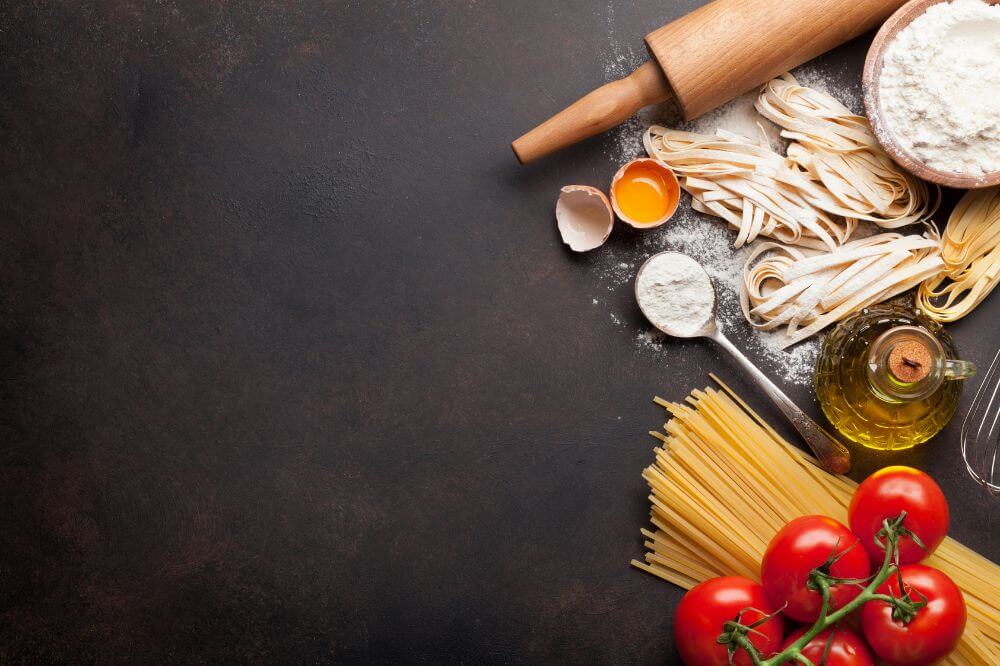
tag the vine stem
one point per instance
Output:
(827, 619)
(745, 643)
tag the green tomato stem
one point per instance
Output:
(827, 619)
(882, 597)
(745, 643)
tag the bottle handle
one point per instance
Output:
(954, 369)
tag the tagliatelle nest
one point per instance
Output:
(805, 292)
(971, 254)
(749, 186)
(835, 173)
(838, 150)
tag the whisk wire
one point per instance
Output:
(980, 450)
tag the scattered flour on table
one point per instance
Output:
(620, 61)
(738, 116)
(845, 87)
(711, 243)
(707, 239)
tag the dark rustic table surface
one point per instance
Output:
(294, 366)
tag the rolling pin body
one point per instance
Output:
(710, 56)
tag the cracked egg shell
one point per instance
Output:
(644, 193)
(584, 217)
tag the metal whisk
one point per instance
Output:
(981, 430)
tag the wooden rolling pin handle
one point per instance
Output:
(598, 111)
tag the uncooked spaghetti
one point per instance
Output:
(723, 483)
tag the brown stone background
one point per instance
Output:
(293, 367)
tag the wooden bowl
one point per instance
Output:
(870, 89)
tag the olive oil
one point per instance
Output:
(883, 378)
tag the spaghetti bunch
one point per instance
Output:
(724, 482)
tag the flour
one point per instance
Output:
(699, 236)
(740, 117)
(676, 294)
(622, 59)
(705, 238)
(711, 242)
(940, 87)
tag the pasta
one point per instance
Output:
(750, 187)
(806, 292)
(837, 149)
(722, 484)
(835, 173)
(970, 250)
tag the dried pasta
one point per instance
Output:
(724, 482)
(837, 149)
(750, 187)
(804, 292)
(970, 250)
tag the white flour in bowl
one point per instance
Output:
(940, 87)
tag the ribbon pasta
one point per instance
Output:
(837, 149)
(750, 187)
(971, 253)
(810, 275)
(805, 291)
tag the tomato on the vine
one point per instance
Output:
(802, 545)
(930, 634)
(703, 611)
(846, 648)
(887, 493)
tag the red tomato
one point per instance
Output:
(703, 611)
(887, 493)
(931, 634)
(801, 546)
(847, 649)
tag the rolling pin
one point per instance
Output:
(707, 58)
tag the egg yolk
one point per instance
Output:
(644, 194)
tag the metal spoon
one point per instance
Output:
(832, 455)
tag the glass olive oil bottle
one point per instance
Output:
(884, 377)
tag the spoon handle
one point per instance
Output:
(833, 456)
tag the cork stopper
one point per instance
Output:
(910, 361)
